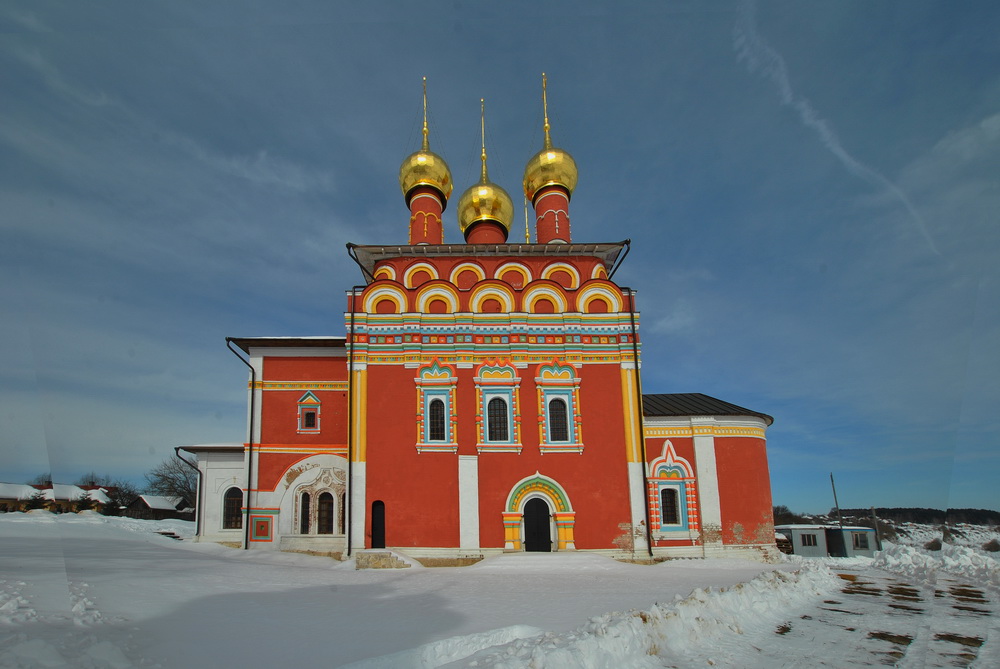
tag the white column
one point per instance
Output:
(709, 506)
(358, 504)
(636, 493)
(468, 502)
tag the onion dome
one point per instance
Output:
(485, 201)
(551, 166)
(425, 168)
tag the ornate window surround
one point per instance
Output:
(436, 381)
(498, 378)
(306, 404)
(671, 471)
(557, 380)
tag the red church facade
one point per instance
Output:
(486, 398)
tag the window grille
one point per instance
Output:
(496, 420)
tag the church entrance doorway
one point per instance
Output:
(378, 524)
(537, 526)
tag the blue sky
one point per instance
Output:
(811, 190)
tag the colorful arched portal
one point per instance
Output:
(548, 490)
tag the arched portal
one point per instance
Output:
(537, 526)
(531, 500)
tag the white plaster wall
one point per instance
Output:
(468, 501)
(219, 472)
(358, 506)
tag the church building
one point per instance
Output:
(486, 398)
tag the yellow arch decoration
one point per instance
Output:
(514, 267)
(459, 268)
(386, 272)
(593, 292)
(565, 267)
(391, 293)
(439, 290)
(497, 291)
(534, 293)
(416, 267)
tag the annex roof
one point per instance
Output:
(694, 404)
(246, 343)
(211, 448)
(367, 256)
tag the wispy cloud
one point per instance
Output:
(760, 57)
(54, 79)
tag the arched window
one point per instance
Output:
(670, 512)
(324, 524)
(304, 514)
(496, 420)
(435, 418)
(558, 425)
(232, 509)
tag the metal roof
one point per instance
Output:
(246, 343)
(694, 404)
(367, 256)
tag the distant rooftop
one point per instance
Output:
(694, 404)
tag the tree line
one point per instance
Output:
(784, 516)
(171, 478)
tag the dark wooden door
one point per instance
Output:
(378, 524)
(537, 532)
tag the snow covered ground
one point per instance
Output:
(95, 592)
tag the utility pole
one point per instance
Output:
(836, 504)
(878, 534)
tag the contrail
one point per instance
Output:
(760, 57)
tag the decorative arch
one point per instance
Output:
(573, 272)
(418, 267)
(538, 486)
(611, 299)
(393, 294)
(302, 484)
(437, 290)
(670, 465)
(475, 268)
(385, 272)
(494, 290)
(535, 293)
(599, 272)
(513, 268)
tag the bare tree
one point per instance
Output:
(44, 478)
(121, 492)
(174, 478)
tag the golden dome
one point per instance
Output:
(485, 201)
(424, 167)
(550, 166)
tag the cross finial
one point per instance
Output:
(482, 128)
(426, 145)
(545, 111)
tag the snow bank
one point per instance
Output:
(923, 565)
(643, 639)
(439, 653)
